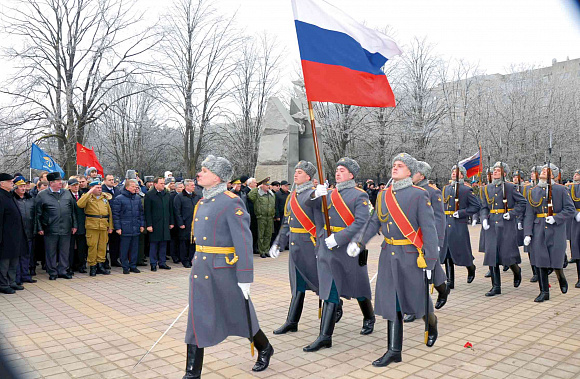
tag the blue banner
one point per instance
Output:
(42, 161)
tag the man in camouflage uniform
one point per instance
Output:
(501, 245)
(222, 271)
(264, 202)
(405, 261)
(546, 233)
(299, 228)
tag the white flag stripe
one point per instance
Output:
(327, 16)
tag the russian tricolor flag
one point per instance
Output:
(472, 164)
(342, 59)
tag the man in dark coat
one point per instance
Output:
(183, 207)
(457, 244)
(78, 246)
(407, 259)
(25, 204)
(545, 229)
(500, 231)
(159, 221)
(12, 236)
(114, 239)
(222, 272)
(129, 223)
(56, 220)
(173, 244)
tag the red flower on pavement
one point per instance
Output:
(468, 345)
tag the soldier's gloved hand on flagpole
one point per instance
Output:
(331, 242)
(456, 214)
(506, 216)
(577, 217)
(321, 190)
(485, 224)
(353, 249)
(520, 226)
(527, 240)
(550, 220)
(274, 251)
(245, 287)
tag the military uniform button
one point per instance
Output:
(195, 276)
(393, 253)
(194, 238)
(196, 257)
(390, 223)
(292, 243)
(449, 225)
(196, 219)
(212, 199)
(204, 238)
(207, 277)
(201, 202)
(207, 218)
(204, 258)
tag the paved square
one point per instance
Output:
(100, 327)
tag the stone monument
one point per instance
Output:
(287, 137)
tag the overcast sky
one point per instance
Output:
(493, 33)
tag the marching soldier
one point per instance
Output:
(457, 245)
(301, 220)
(549, 207)
(574, 189)
(527, 187)
(338, 274)
(222, 270)
(501, 245)
(405, 217)
(520, 187)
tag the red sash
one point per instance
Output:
(402, 222)
(301, 216)
(342, 209)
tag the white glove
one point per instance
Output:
(321, 190)
(520, 226)
(485, 224)
(428, 272)
(550, 220)
(456, 214)
(527, 240)
(474, 222)
(577, 217)
(331, 242)
(274, 251)
(506, 216)
(245, 287)
(353, 249)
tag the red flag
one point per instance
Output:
(86, 157)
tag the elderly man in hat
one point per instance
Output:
(459, 204)
(409, 254)
(12, 236)
(421, 179)
(501, 207)
(25, 204)
(56, 220)
(548, 209)
(264, 202)
(339, 275)
(222, 271)
(98, 225)
(299, 228)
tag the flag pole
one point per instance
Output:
(320, 180)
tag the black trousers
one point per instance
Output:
(57, 253)
(114, 247)
(186, 250)
(8, 268)
(173, 247)
(38, 251)
(78, 251)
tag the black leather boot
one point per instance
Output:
(450, 270)
(443, 291)
(534, 277)
(578, 272)
(395, 344)
(106, 265)
(495, 282)
(409, 318)
(366, 306)
(33, 271)
(101, 269)
(505, 268)
(194, 362)
(339, 311)
(265, 351)
(488, 273)
(470, 273)
(565, 261)
(326, 328)
(93, 270)
(517, 274)
(544, 285)
(294, 313)
(561, 280)
(432, 332)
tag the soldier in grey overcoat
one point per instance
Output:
(545, 234)
(457, 244)
(401, 286)
(222, 270)
(528, 187)
(339, 275)
(574, 189)
(501, 245)
(519, 224)
(302, 264)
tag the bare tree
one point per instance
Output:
(73, 53)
